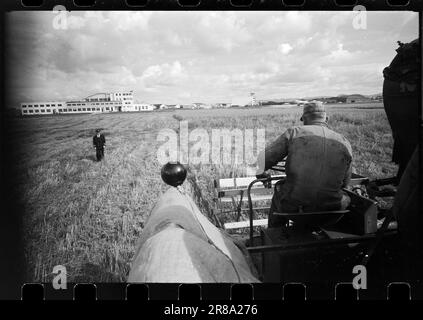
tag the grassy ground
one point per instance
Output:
(88, 215)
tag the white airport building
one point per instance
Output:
(96, 103)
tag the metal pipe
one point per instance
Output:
(250, 206)
(316, 243)
(250, 202)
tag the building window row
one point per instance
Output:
(97, 99)
(67, 110)
(79, 109)
(36, 111)
(97, 104)
(40, 105)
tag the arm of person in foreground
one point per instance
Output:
(347, 177)
(273, 153)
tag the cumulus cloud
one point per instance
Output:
(290, 23)
(179, 57)
(163, 75)
(127, 20)
(340, 54)
(285, 48)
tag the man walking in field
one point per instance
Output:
(99, 142)
(318, 165)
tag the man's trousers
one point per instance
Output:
(99, 153)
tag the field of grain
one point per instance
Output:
(88, 216)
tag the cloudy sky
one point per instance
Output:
(185, 57)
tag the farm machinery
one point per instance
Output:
(180, 244)
(349, 236)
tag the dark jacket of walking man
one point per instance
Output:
(99, 142)
(318, 166)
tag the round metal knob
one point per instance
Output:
(174, 174)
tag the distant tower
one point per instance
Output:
(253, 98)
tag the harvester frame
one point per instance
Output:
(362, 210)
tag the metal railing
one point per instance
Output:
(250, 202)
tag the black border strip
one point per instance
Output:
(12, 282)
(287, 292)
(414, 5)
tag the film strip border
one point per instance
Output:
(397, 291)
(414, 5)
(217, 292)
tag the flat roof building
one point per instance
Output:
(96, 103)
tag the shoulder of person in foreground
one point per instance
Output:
(343, 140)
(347, 145)
(275, 151)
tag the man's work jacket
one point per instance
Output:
(99, 142)
(318, 165)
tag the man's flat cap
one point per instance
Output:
(314, 108)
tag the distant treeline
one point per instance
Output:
(341, 99)
(268, 103)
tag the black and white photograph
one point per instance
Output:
(216, 146)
